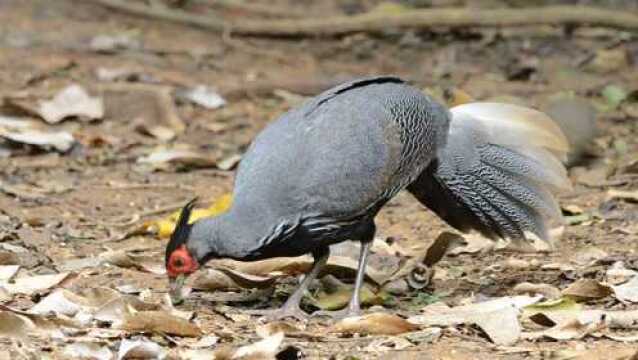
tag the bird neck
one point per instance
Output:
(226, 236)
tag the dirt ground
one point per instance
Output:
(77, 204)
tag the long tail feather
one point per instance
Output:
(497, 172)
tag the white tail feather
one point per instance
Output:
(527, 131)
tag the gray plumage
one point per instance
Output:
(321, 172)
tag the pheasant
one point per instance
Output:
(320, 174)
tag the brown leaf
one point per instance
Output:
(159, 322)
(14, 325)
(587, 289)
(548, 291)
(374, 324)
(498, 318)
(162, 158)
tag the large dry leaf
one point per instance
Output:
(498, 318)
(627, 292)
(61, 141)
(140, 349)
(65, 302)
(569, 330)
(587, 289)
(340, 266)
(129, 260)
(72, 101)
(374, 324)
(159, 322)
(13, 325)
(32, 284)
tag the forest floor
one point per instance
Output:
(80, 208)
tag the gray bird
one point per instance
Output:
(320, 174)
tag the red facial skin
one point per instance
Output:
(181, 262)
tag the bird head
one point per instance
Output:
(180, 261)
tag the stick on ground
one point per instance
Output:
(379, 22)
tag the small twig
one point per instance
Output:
(376, 22)
(242, 46)
(127, 186)
(257, 9)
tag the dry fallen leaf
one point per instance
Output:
(474, 243)
(552, 312)
(588, 255)
(587, 289)
(72, 101)
(498, 317)
(618, 273)
(32, 284)
(627, 292)
(140, 349)
(14, 325)
(201, 95)
(374, 324)
(288, 329)
(7, 272)
(548, 291)
(61, 141)
(65, 302)
(339, 298)
(159, 322)
(164, 158)
(570, 329)
(126, 259)
(163, 133)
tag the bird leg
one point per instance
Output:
(291, 307)
(354, 306)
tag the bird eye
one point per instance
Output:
(178, 262)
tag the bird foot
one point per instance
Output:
(286, 311)
(339, 314)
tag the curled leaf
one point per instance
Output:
(374, 324)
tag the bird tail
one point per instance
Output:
(497, 172)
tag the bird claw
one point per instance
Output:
(338, 314)
(282, 313)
